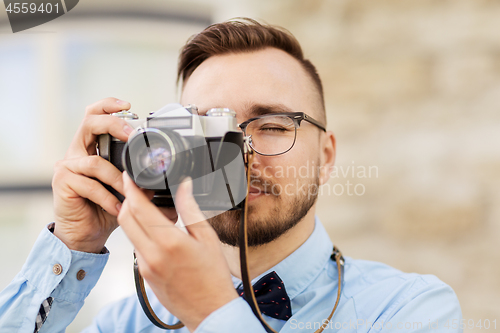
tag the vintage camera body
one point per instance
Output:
(174, 143)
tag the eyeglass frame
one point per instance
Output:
(296, 117)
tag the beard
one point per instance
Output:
(287, 212)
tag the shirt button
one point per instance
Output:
(80, 275)
(57, 269)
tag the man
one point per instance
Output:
(255, 70)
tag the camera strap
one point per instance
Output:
(245, 278)
(143, 299)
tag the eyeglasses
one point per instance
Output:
(275, 133)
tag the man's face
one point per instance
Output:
(283, 187)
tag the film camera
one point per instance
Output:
(174, 143)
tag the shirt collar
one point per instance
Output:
(303, 265)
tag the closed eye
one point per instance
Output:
(273, 129)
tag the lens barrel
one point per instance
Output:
(155, 158)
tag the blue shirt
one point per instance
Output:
(375, 297)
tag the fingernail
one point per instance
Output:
(119, 101)
(118, 207)
(127, 129)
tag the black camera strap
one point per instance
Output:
(245, 278)
(143, 299)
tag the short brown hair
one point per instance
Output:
(242, 35)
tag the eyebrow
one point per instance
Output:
(262, 109)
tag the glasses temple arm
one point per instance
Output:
(314, 122)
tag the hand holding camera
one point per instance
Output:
(158, 156)
(78, 194)
(170, 145)
(188, 273)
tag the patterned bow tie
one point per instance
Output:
(271, 296)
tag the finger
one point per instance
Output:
(134, 230)
(151, 219)
(96, 125)
(91, 127)
(91, 189)
(96, 167)
(107, 106)
(190, 212)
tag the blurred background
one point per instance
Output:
(412, 92)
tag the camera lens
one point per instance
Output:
(154, 159)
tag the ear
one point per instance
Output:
(328, 154)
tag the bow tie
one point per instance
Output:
(271, 296)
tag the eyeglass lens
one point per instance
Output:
(272, 135)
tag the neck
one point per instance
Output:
(263, 257)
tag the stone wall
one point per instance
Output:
(413, 88)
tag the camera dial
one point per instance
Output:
(124, 114)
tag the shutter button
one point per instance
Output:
(80, 275)
(57, 269)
